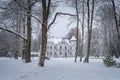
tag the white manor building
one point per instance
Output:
(60, 47)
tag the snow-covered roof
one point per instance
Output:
(67, 41)
(54, 40)
(73, 38)
(57, 41)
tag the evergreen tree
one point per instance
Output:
(108, 61)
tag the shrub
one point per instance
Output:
(117, 65)
(108, 61)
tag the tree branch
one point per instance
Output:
(20, 5)
(59, 13)
(13, 32)
(1, 7)
(31, 16)
(35, 1)
(27, 10)
(48, 8)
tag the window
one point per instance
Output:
(60, 47)
(65, 54)
(65, 47)
(47, 53)
(54, 47)
(55, 53)
(50, 47)
(60, 53)
(70, 53)
(50, 53)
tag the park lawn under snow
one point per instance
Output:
(57, 69)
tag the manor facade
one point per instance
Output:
(60, 47)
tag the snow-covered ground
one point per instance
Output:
(57, 69)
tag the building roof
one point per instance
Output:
(57, 41)
(54, 40)
(73, 38)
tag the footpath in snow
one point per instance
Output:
(57, 69)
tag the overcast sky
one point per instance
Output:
(61, 28)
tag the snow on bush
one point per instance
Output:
(108, 61)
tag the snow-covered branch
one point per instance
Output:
(13, 32)
(1, 7)
(31, 16)
(59, 13)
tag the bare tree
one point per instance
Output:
(28, 41)
(28, 9)
(90, 21)
(83, 16)
(9, 14)
(45, 14)
(46, 10)
(108, 23)
(77, 43)
(116, 21)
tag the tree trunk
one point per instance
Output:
(76, 53)
(16, 36)
(24, 30)
(82, 31)
(24, 41)
(16, 45)
(29, 29)
(87, 57)
(89, 29)
(116, 21)
(44, 34)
